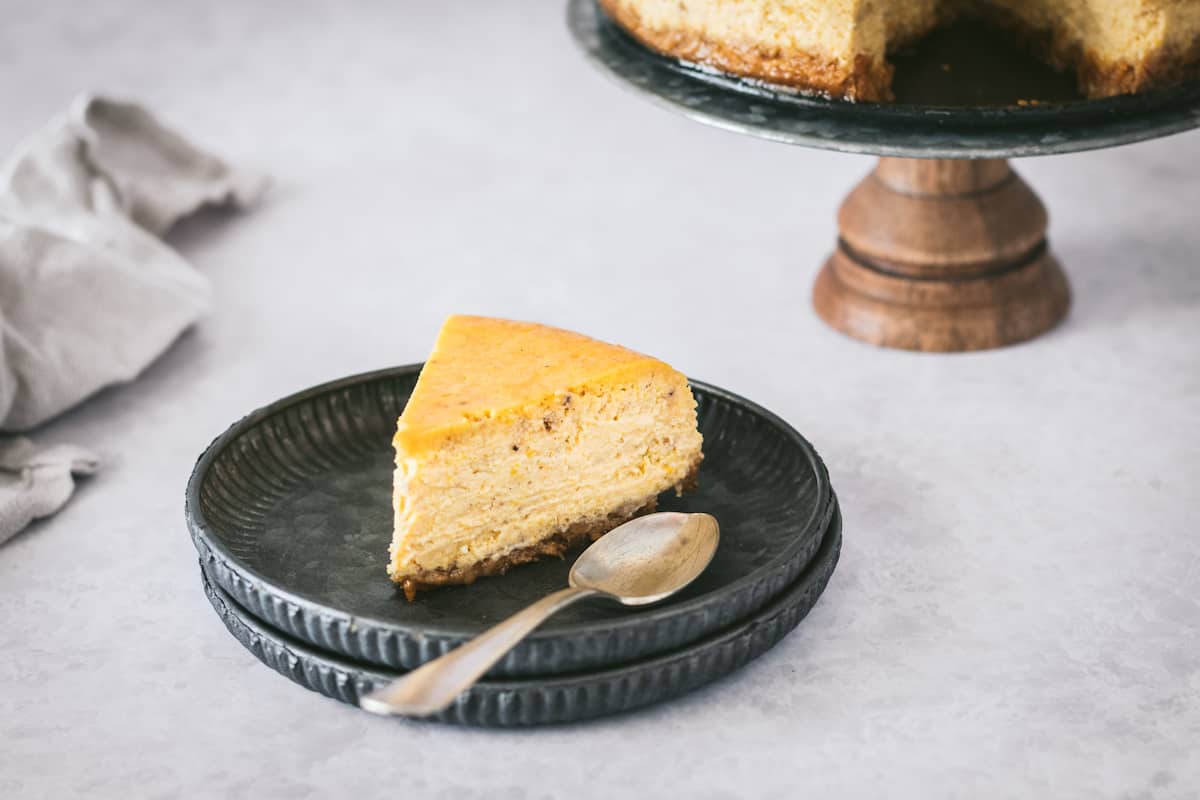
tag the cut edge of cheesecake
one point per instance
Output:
(520, 441)
(554, 545)
(1164, 48)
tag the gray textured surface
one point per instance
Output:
(1016, 612)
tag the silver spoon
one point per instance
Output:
(646, 560)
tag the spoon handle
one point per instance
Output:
(433, 686)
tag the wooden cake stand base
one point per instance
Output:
(942, 255)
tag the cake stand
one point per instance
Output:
(943, 246)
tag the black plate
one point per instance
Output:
(290, 510)
(558, 698)
(931, 122)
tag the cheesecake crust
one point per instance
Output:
(557, 544)
(863, 79)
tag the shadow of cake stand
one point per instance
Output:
(942, 247)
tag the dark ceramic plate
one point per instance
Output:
(958, 98)
(290, 510)
(556, 698)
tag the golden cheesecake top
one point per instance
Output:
(484, 368)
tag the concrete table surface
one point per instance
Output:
(1017, 611)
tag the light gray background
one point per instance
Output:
(1016, 612)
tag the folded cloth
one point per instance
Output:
(89, 295)
(35, 482)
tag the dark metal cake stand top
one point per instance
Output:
(964, 94)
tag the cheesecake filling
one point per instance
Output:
(570, 462)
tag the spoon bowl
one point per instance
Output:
(644, 561)
(649, 558)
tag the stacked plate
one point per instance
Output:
(290, 510)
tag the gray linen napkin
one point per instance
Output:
(35, 482)
(89, 295)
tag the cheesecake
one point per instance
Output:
(839, 48)
(520, 440)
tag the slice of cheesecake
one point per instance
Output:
(520, 440)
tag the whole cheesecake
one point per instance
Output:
(839, 48)
(520, 440)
